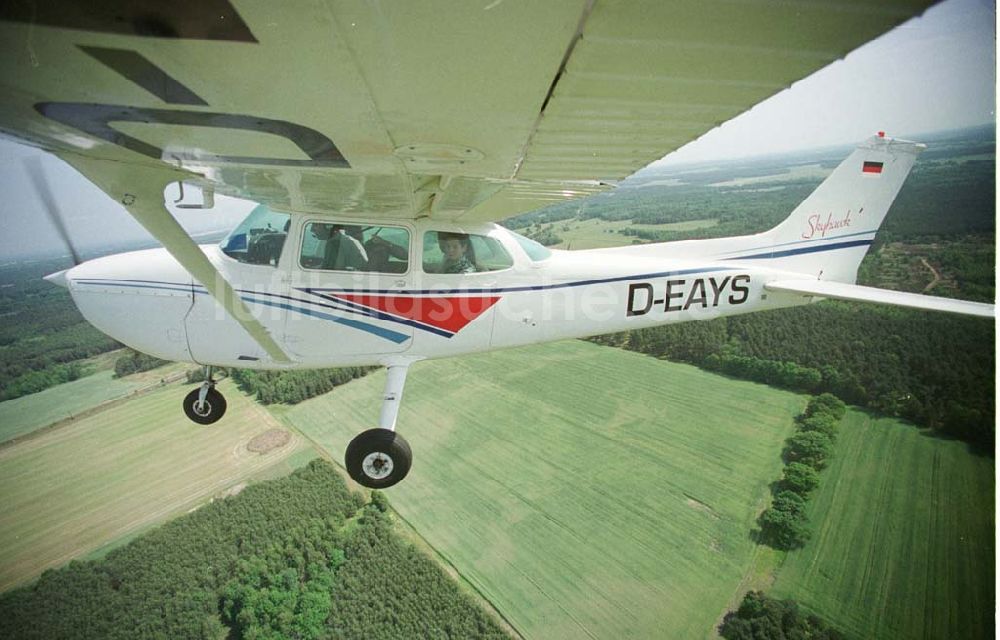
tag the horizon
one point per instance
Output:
(923, 136)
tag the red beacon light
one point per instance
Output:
(881, 134)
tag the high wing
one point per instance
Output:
(858, 293)
(459, 110)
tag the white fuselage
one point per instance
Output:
(323, 318)
(353, 290)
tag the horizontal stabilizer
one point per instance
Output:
(842, 291)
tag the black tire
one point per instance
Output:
(214, 408)
(378, 458)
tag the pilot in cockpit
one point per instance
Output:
(343, 251)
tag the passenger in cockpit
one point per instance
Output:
(458, 253)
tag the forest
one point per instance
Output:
(42, 334)
(297, 557)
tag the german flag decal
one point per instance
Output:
(872, 167)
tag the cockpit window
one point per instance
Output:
(448, 252)
(335, 246)
(535, 250)
(259, 238)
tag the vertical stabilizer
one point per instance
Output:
(827, 235)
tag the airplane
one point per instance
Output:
(384, 141)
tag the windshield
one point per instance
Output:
(535, 251)
(259, 239)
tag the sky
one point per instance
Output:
(933, 73)
(95, 220)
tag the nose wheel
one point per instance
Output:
(205, 404)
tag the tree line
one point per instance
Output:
(760, 617)
(784, 524)
(133, 361)
(35, 381)
(545, 236)
(291, 387)
(297, 557)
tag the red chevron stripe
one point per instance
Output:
(449, 313)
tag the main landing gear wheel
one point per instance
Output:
(204, 411)
(378, 458)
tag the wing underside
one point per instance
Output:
(458, 110)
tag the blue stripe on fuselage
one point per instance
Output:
(804, 250)
(167, 286)
(786, 244)
(388, 334)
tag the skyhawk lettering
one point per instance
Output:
(816, 226)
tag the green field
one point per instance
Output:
(903, 545)
(75, 399)
(27, 413)
(72, 489)
(584, 491)
(594, 233)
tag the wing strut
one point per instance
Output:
(139, 188)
